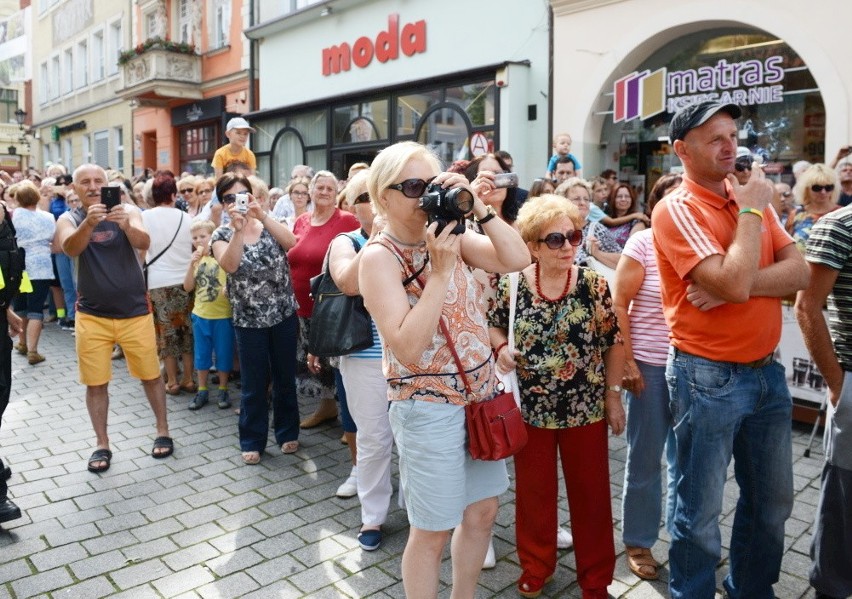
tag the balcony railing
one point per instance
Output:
(162, 73)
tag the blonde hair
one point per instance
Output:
(390, 162)
(816, 174)
(207, 225)
(356, 186)
(261, 189)
(570, 184)
(299, 181)
(538, 212)
(190, 181)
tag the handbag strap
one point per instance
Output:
(513, 301)
(166, 249)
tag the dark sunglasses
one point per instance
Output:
(364, 198)
(412, 188)
(229, 198)
(818, 188)
(740, 167)
(555, 241)
(186, 190)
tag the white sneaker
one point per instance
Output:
(564, 540)
(490, 558)
(350, 487)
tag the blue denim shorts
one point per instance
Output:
(439, 478)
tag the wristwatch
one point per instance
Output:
(614, 388)
(490, 213)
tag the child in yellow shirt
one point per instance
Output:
(237, 131)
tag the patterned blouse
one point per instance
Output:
(621, 233)
(260, 290)
(606, 241)
(801, 225)
(562, 344)
(435, 376)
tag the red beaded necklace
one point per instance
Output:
(538, 285)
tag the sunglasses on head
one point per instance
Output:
(742, 166)
(412, 188)
(555, 241)
(364, 198)
(818, 188)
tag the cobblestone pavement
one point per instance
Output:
(202, 524)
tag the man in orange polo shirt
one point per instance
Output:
(725, 261)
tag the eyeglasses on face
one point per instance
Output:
(364, 198)
(187, 190)
(555, 241)
(301, 194)
(818, 188)
(200, 191)
(412, 188)
(229, 198)
(741, 166)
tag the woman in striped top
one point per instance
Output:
(649, 428)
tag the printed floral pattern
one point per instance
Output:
(562, 344)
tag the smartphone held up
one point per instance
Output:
(110, 197)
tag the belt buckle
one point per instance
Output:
(760, 363)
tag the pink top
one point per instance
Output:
(649, 333)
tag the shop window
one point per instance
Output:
(783, 113)
(445, 130)
(411, 108)
(358, 123)
(289, 152)
(477, 100)
(197, 146)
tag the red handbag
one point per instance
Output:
(495, 428)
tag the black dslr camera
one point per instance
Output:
(443, 205)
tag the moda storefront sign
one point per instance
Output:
(386, 46)
(643, 94)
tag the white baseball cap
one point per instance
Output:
(238, 122)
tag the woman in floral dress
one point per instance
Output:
(569, 360)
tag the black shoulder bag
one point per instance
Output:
(158, 256)
(340, 324)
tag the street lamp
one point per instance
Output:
(21, 116)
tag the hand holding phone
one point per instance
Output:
(110, 197)
(503, 180)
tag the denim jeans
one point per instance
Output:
(265, 351)
(65, 268)
(649, 431)
(720, 410)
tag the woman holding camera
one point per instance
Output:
(314, 232)
(252, 249)
(417, 285)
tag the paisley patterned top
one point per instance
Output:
(260, 290)
(561, 367)
(435, 376)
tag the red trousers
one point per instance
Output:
(584, 455)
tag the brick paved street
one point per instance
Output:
(202, 524)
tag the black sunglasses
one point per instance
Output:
(818, 188)
(740, 167)
(229, 198)
(412, 188)
(364, 198)
(555, 241)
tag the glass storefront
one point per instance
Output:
(443, 116)
(783, 113)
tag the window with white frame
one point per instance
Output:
(68, 70)
(98, 55)
(118, 144)
(54, 77)
(101, 149)
(43, 5)
(220, 23)
(114, 47)
(184, 21)
(68, 154)
(86, 154)
(82, 63)
(43, 83)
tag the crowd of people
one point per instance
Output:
(199, 280)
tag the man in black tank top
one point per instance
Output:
(112, 306)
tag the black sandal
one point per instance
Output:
(100, 455)
(163, 443)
